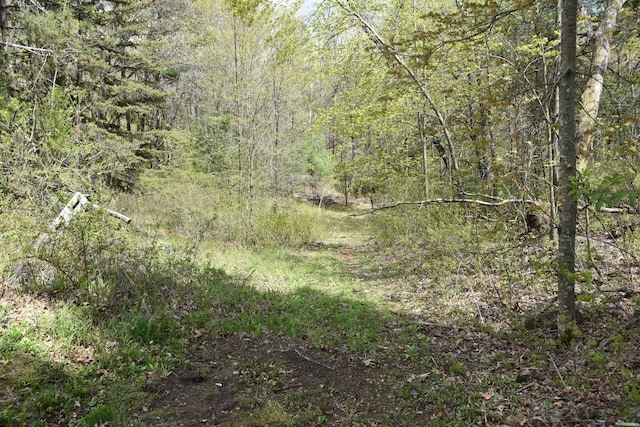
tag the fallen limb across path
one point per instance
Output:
(494, 203)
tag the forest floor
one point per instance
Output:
(343, 332)
(451, 353)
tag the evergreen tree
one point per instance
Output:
(93, 94)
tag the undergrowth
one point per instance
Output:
(99, 307)
(194, 206)
(429, 307)
(90, 313)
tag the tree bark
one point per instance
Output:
(592, 94)
(5, 60)
(567, 328)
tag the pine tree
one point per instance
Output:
(85, 72)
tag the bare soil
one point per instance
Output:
(242, 380)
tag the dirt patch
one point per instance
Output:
(249, 381)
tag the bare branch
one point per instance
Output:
(27, 48)
(495, 203)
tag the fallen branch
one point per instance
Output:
(557, 370)
(75, 205)
(495, 203)
(619, 210)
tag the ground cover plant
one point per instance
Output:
(136, 325)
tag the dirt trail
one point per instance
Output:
(243, 380)
(246, 381)
(425, 371)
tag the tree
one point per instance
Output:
(399, 63)
(568, 200)
(592, 93)
(576, 145)
(243, 89)
(83, 96)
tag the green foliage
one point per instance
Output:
(289, 227)
(95, 263)
(84, 101)
(114, 301)
(103, 414)
(147, 329)
(304, 313)
(320, 161)
(597, 358)
(244, 9)
(607, 190)
(208, 144)
(414, 225)
(194, 204)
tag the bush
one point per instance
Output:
(192, 207)
(96, 261)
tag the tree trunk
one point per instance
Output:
(423, 144)
(567, 329)
(592, 94)
(5, 60)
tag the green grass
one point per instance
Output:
(69, 362)
(326, 320)
(121, 310)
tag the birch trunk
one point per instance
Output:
(592, 94)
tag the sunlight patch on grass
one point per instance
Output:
(323, 319)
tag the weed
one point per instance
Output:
(100, 415)
(458, 368)
(151, 329)
(597, 358)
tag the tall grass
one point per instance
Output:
(201, 208)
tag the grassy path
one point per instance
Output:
(346, 334)
(339, 333)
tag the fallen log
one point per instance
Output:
(76, 204)
(494, 203)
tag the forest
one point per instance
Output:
(319, 213)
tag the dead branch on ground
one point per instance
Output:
(495, 203)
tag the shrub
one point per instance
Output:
(97, 262)
(291, 227)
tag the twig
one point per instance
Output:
(557, 370)
(331, 368)
(524, 387)
(584, 422)
(432, 324)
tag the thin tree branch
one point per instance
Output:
(495, 203)
(27, 48)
